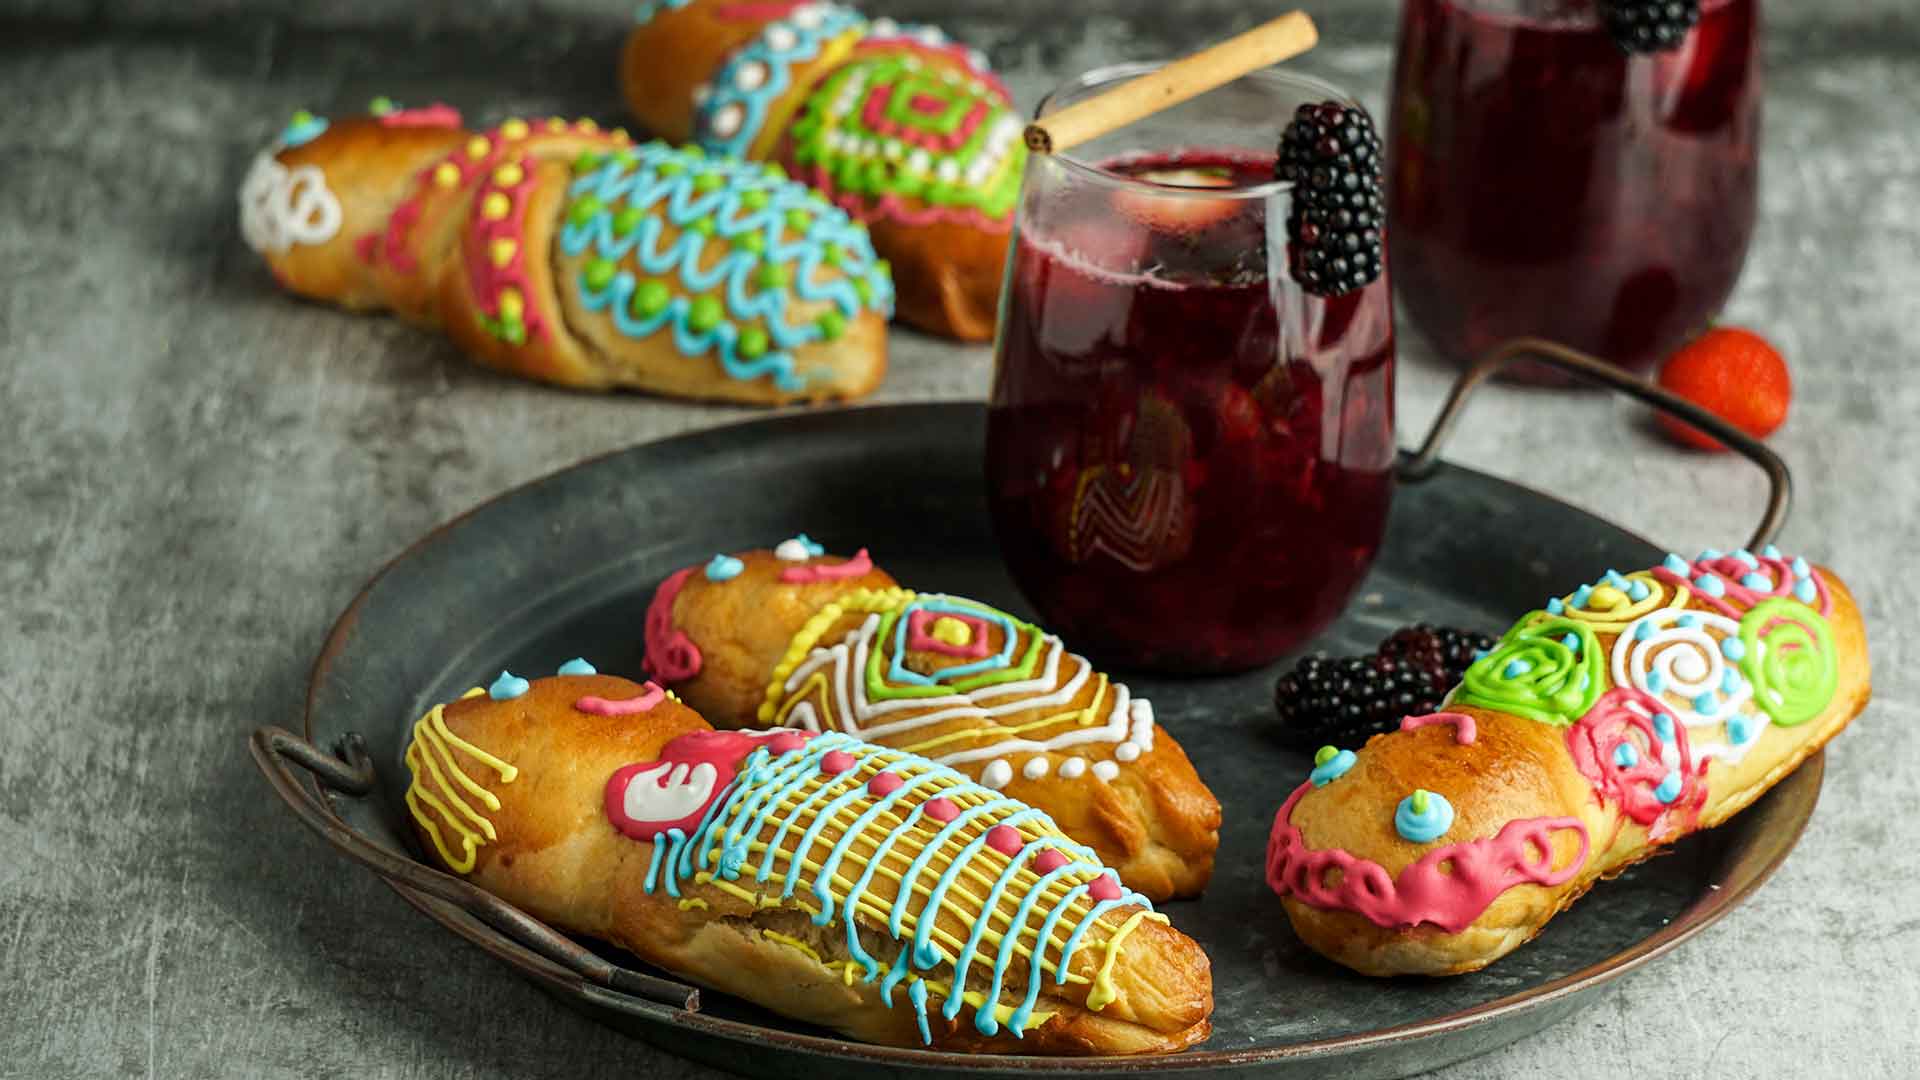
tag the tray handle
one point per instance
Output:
(1594, 370)
(274, 748)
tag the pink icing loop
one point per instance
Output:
(920, 622)
(671, 654)
(1464, 730)
(1733, 571)
(1005, 839)
(1478, 872)
(1595, 743)
(1104, 887)
(835, 762)
(1048, 861)
(885, 783)
(693, 770)
(434, 115)
(649, 696)
(941, 809)
(861, 563)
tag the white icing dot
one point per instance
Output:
(1073, 767)
(1106, 770)
(948, 171)
(1690, 665)
(727, 121)
(884, 27)
(781, 38)
(1127, 751)
(751, 76)
(997, 774)
(809, 16)
(792, 550)
(1141, 713)
(1036, 767)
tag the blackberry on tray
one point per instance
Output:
(1342, 701)
(1644, 26)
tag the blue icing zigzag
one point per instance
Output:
(776, 795)
(620, 205)
(781, 44)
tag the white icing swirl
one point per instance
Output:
(281, 207)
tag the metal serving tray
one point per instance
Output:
(565, 565)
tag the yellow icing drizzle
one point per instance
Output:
(860, 600)
(793, 943)
(692, 902)
(1103, 992)
(430, 757)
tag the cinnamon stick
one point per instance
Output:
(1287, 36)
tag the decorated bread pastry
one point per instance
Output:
(834, 881)
(797, 638)
(560, 252)
(1611, 723)
(906, 130)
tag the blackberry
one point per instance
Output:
(1330, 153)
(1342, 701)
(1644, 26)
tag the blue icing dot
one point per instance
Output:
(1423, 826)
(1770, 551)
(577, 666)
(1805, 592)
(1710, 584)
(1741, 728)
(1656, 682)
(1711, 554)
(1332, 769)
(1801, 569)
(1732, 648)
(1480, 653)
(1669, 788)
(812, 546)
(1515, 669)
(1704, 703)
(724, 568)
(507, 687)
(1663, 726)
(1677, 565)
(1581, 594)
(302, 129)
(1746, 556)
(1730, 681)
(1642, 630)
(1688, 619)
(1555, 607)
(1638, 591)
(1626, 756)
(1615, 579)
(1571, 641)
(1756, 582)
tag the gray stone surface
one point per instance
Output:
(196, 473)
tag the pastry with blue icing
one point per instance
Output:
(837, 882)
(561, 252)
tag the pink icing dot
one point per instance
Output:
(786, 742)
(885, 783)
(1104, 887)
(1005, 839)
(1049, 860)
(836, 761)
(942, 809)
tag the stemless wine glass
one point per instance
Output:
(1545, 182)
(1188, 455)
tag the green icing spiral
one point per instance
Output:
(1789, 659)
(1534, 672)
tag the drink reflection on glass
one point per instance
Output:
(1546, 182)
(1188, 454)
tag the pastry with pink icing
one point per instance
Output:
(1604, 726)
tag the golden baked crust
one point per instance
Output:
(1135, 799)
(549, 847)
(1519, 770)
(462, 231)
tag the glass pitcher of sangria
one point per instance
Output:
(1190, 431)
(1558, 173)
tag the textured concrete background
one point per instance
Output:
(196, 473)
